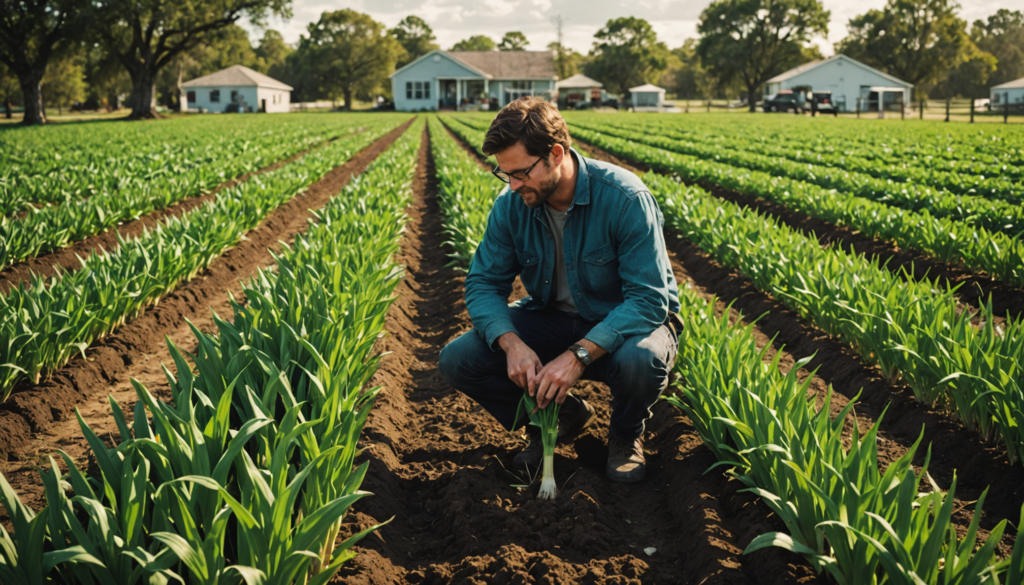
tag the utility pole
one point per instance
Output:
(558, 21)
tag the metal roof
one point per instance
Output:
(647, 87)
(509, 64)
(578, 81)
(236, 75)
(1015, 84)
(815, 64)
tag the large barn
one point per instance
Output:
(473, 80)
(848, 80)
(237, 88)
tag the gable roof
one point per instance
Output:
(439, 54)
(840, 57)
(1015, 84)
(647, 87)
(510, 64)
(236, 75)
(578, 81)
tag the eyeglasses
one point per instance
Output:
(523, 175)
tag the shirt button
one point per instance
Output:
(546, 282)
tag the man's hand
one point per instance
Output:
(523, 363)
(556, 378)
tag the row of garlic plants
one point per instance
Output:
(247, 474)
(840, 512)
(466, 193)
(944, 239)
(43, 323)
(184, 155)
(913, 330)
(974, 173)
(116, 192)
(980, 211)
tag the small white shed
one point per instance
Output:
(850, 81)
(1011, 92)
(248, 90)
(647, 98)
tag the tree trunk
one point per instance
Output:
(348, 99)
(32, 95)
(752, 97)
(7, 107)
(143, 94)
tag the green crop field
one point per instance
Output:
(219, 340)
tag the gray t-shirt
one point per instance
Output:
(562, 300)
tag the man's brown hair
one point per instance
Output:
(533, 121)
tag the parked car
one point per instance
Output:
(821, 101)
(784, 101)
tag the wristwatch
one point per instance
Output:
(580, 353)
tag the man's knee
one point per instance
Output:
(643, 361)
(463, 360)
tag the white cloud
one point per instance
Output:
(673, 20)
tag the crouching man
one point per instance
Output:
(585, 237)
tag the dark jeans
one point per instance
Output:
(637, 373)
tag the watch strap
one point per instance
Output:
(574, 349)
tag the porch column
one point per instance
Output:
(458, 94)
(487, 91)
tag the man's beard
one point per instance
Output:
(546, 190)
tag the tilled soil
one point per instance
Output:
(37, 420)
(954, 449)
(440, 466)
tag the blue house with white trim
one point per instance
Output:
(473, 80)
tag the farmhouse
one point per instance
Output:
(237, 89)
(850, 81)
(473, 80)
(1011, 92)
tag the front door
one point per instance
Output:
(449, 94)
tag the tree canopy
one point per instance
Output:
(347, 54)
(626, 54)
(754, 40)
(32, 31)
(146, 35)
(416, 38)
(918, 41)
(567, 61)
(513, 41)
(475, 43)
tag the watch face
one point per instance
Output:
(582, 353)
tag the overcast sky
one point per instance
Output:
(674, 20)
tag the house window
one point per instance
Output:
(521, 84)
(214, 96)
(418, 90)
(234, 96)
(191, 97)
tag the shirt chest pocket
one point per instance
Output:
(601, 267)
(529, 262)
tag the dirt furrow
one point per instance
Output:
(37, 420)
(441, 466)
(977, 464)
(67, 258)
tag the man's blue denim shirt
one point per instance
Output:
(615, 258)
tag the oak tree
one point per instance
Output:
(416, 37)
(627, 53)
(754, 40)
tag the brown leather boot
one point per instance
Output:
(573, 418)
(626, 463)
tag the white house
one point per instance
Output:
(1011, 91)
(647, 98)
(473, 80)
(239, 87)
(848, 80)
